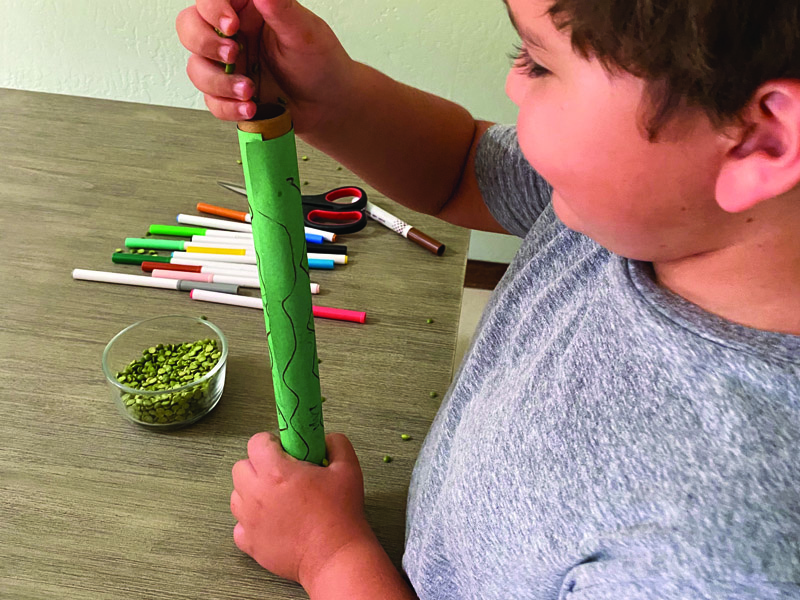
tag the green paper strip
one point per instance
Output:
(154, 244)
(271, 176)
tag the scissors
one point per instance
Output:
(324, 211)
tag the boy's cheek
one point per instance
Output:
(542, 139)
(515, 87)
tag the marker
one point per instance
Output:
(212, 238)
(249, 270)
(224, 269)
(244, 217)
(404, 229)
(228, 213)
(206, 248)
(245, 227)
(123, 258)
(160, 244)
(240, 280)
(245, 263)
(141, 280)
(139, 259)
(313, 263)
(180, 231)
(323, 312)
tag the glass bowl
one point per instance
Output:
(179, 349)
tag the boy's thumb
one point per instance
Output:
(340, 449)
(280, 15)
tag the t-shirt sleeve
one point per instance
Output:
(513, 191)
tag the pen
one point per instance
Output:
(240, 280)
(404, 229)
(313, 263)
(239, 242)
(241, 227)
(196, 258)
(324, 312)
(216, 268)
(183, 231)
(188, 231)
(238, 248)
(239, 215)
(141, 280)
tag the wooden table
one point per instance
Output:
(93, 506)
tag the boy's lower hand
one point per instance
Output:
(295, 516)
(288, 53)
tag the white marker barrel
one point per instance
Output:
(143, 281)
(228, 258)
(244, 269)
(184, 219)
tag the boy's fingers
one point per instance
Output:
(221, 14)
(265, 449)
(209, 77)
(236, 505)
(230, 110)
(340, 450)
(243, 474)
(240, 538)
(198, 38)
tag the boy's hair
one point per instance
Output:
(711, 54)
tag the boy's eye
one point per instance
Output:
(522, 60)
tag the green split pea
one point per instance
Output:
(167, 367)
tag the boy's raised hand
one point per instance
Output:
(295, 516)
(288, 53)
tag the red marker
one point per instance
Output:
(324, 312)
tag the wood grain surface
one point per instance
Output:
(94, 506)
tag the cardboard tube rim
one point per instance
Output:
(271, 121)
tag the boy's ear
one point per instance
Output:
(763, 161)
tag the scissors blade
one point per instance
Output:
(233, 187)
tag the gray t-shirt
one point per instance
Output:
(604, 439)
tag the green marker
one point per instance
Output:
(155, 244)
(176, 230)
(179, 245)
(122, 258)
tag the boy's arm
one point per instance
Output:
(414, 147)
(358, 571)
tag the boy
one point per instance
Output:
(627, 420)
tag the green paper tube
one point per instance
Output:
(269, 160)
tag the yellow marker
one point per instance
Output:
(209, 250)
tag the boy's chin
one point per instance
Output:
(572, 220)
(564, 212)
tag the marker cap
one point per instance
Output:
(176, 230)
(225, 288)
(123, 258)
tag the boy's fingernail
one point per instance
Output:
(240, 89)
(225, 24)
(244, 111)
